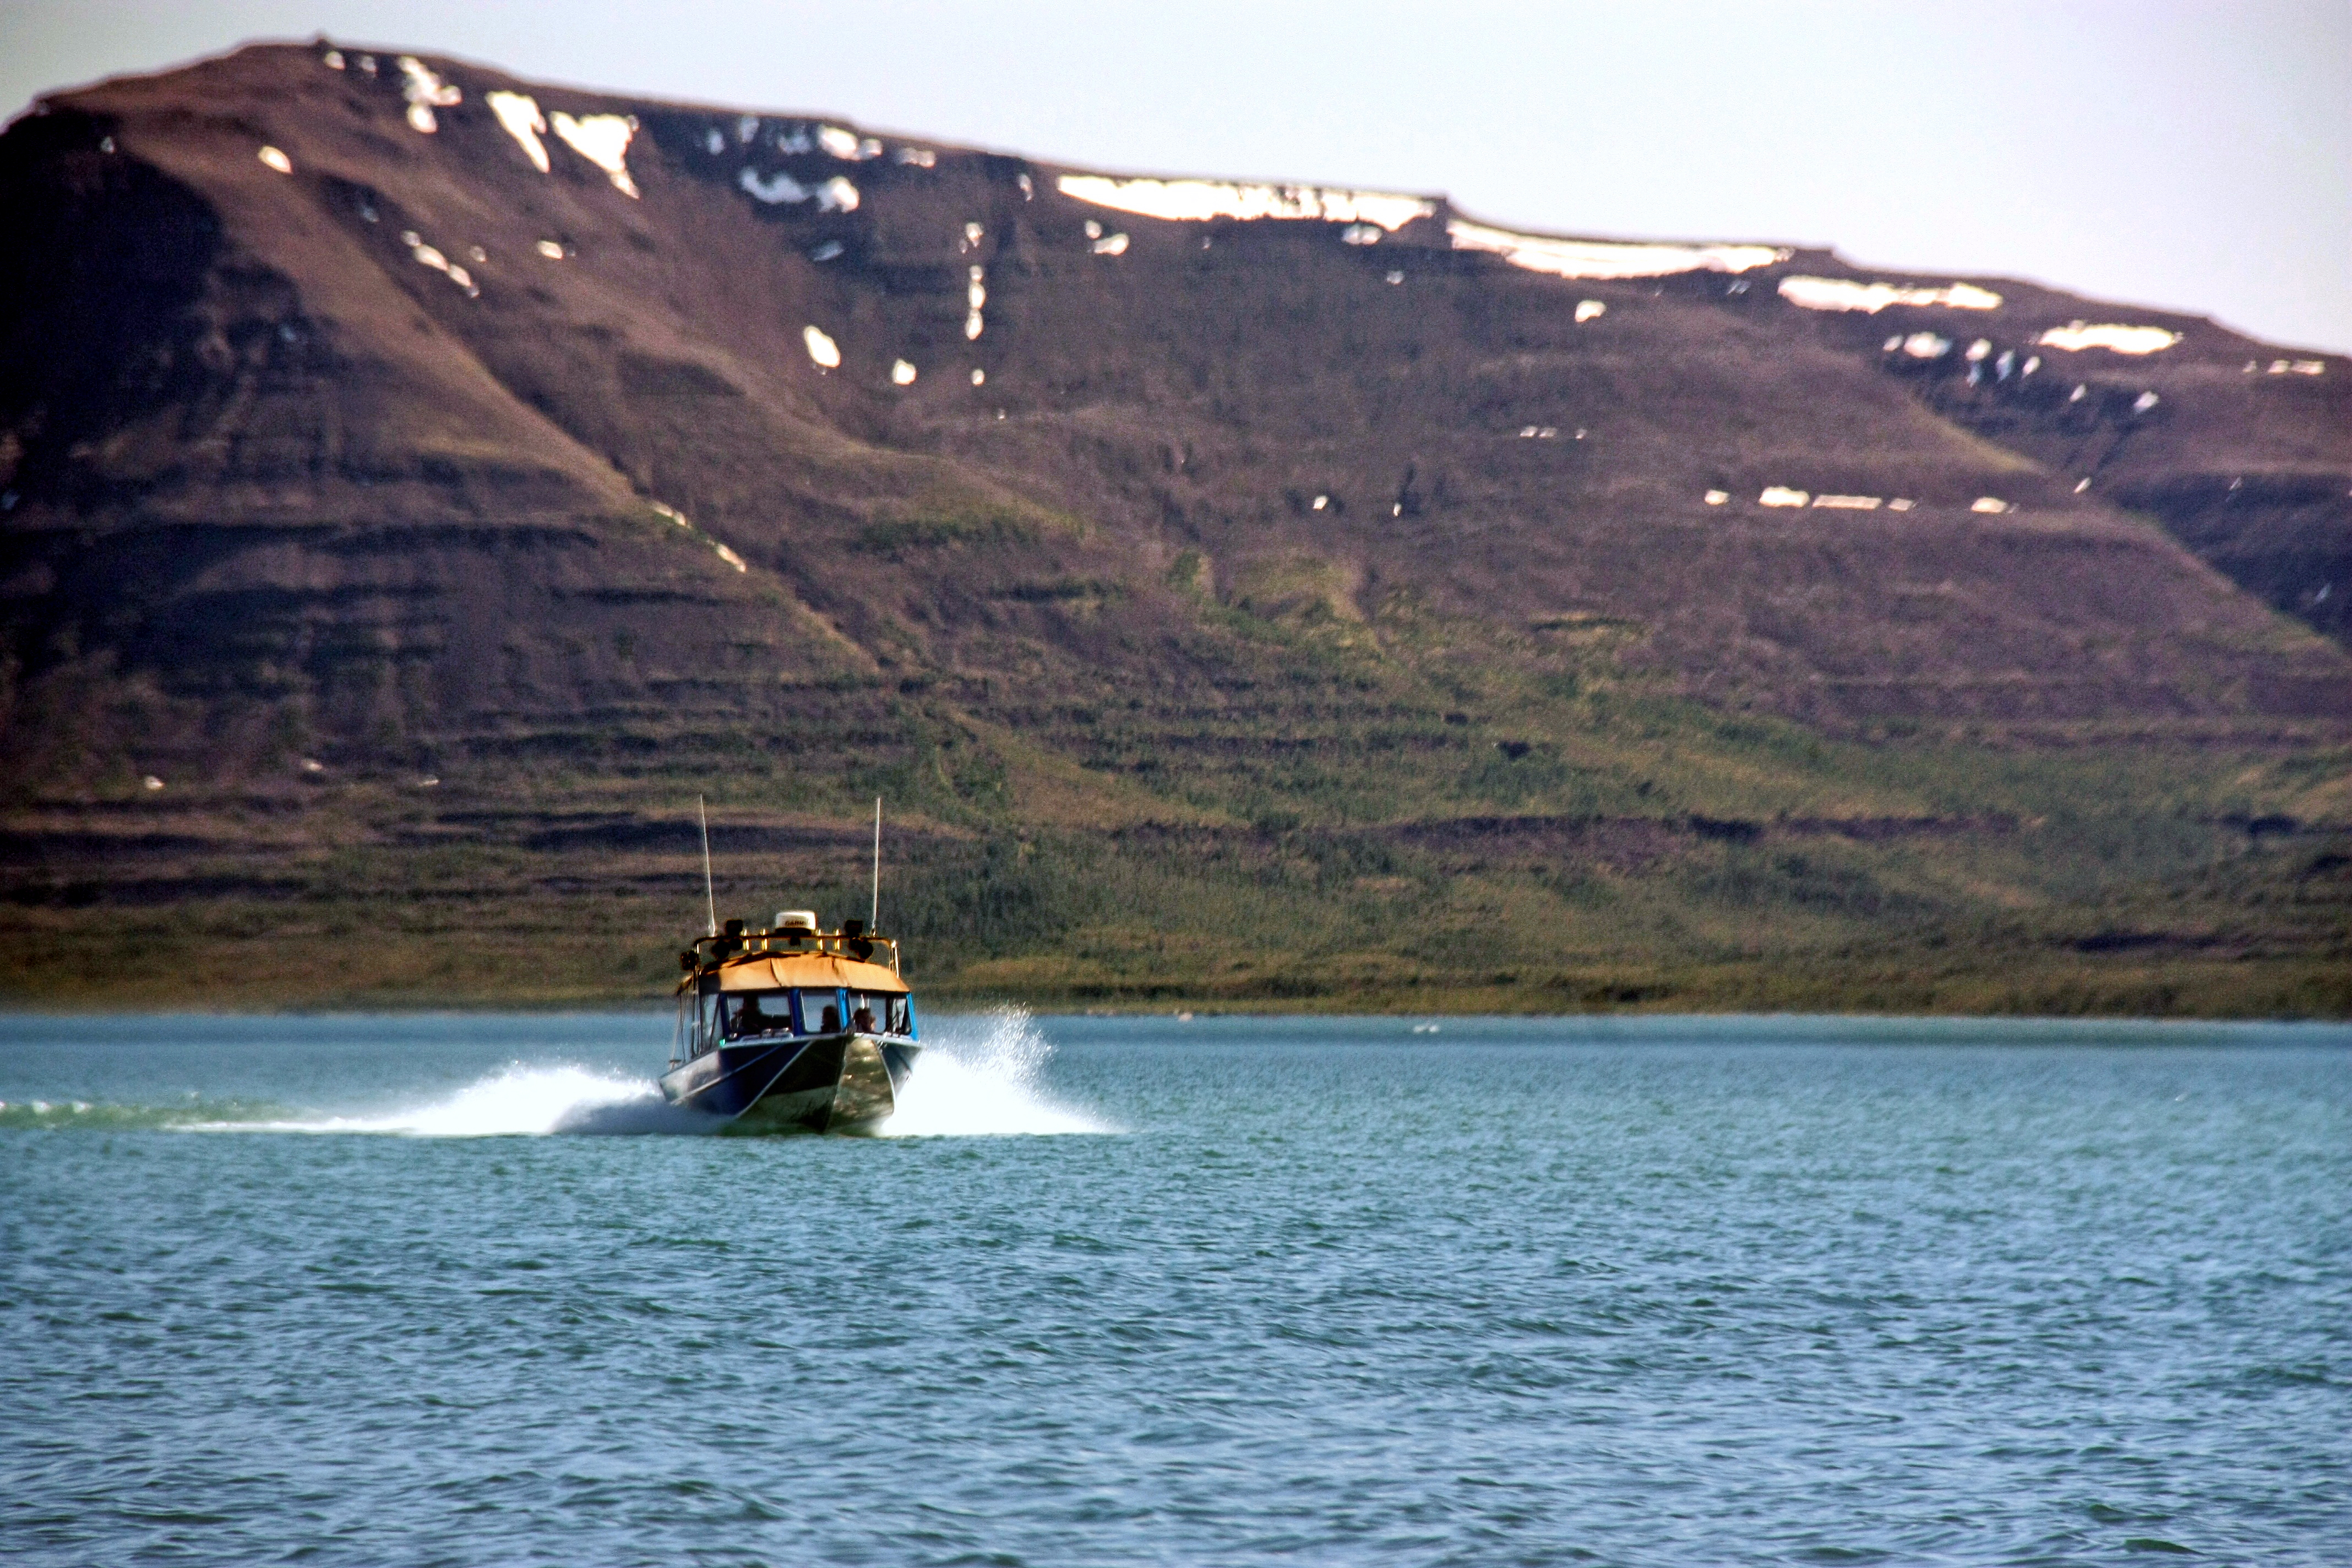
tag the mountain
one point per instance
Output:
(1213, 573)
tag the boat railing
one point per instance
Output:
(794, 942)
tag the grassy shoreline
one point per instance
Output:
(2124, 881)
(2209, 992)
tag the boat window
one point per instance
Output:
(820, 1011)
(744, 1015)
(882, 1012)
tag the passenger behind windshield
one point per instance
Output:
(743, 1016)
(821, 1012)
(879, 1012)
(747, 1019)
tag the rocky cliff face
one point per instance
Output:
(392, 404)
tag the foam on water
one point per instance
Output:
(979, 1077)
(104, 1116)
(524, 1100)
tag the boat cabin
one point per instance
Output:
(789, 980)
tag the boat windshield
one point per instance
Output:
(746, 1014)
(820, 1011)
(804, 1010)
(881, 1012)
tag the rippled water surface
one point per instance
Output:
(1669, 1291)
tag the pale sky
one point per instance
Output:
(2197, 156)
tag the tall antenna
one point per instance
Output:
(875, 914)
(710, 896)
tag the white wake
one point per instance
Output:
(521, 1101)
(980, 1076)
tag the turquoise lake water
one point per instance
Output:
(458, 1289)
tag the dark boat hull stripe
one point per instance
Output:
(830, 1083)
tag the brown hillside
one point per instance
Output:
(325, 435)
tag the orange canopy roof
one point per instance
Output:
(766, 972)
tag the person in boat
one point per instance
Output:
(862, 1020)
(751, 1021)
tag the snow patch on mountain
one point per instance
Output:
(1197, 201)
(518, 113)
(1597, 259)
(1845, 294)
(835, 195)
(775, 189)
(2075, 336)
(430, 256)
(847, 145)
(604, 140)
(424, 92)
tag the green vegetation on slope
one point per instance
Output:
(1637, 852)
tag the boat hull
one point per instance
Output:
(824, 1083)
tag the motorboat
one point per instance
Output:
(793, 1028)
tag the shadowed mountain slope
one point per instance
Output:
(391, 418)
